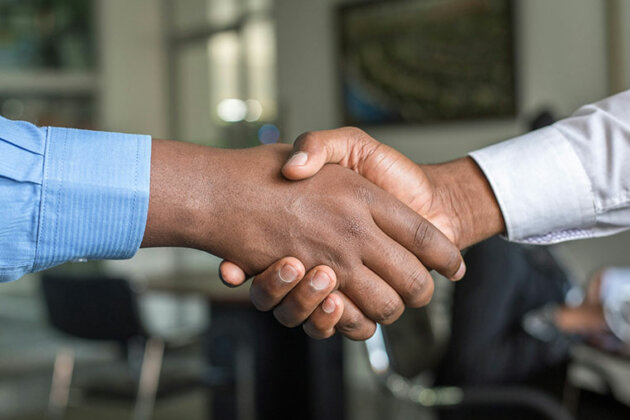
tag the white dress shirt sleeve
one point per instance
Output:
(567, 181)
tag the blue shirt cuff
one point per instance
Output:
(95, 196)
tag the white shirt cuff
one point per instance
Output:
(541, 186)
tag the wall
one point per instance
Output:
(132, 62)
(562, 61)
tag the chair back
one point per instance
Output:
(96, 308)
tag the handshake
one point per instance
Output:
(340, 232)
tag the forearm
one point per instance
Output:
(208, 199)
(464, 193)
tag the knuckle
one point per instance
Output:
(285, 318)
(305, 137)
(416, 288)
(316, 332)
(423, 234)
(301, 309)
(351, 323)
(261, 299)
(315, 324)
(389, 311)
(424, 298)
(355, 227)
(355, 132)
(337, 262)
(364, 194)
(364, 334)
(367, 144)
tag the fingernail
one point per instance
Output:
(288, 274)
(298, 159)
(320, 281)
(328, 306)
(460, 272)
(225, 282)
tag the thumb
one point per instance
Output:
(312, 150)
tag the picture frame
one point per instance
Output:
(424, 61)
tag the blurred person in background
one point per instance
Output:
(601, 319)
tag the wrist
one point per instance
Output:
(463, 192)
(178, 196)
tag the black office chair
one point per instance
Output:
(395, 374)
(102, 309)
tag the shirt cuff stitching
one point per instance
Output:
(61, 181)
(135, 196)
(42, 202)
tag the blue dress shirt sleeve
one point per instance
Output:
(68, 195)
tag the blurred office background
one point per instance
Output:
(238, 73)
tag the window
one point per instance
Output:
(223, 87)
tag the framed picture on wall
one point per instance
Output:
(426, 61)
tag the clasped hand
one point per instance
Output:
(354, 254)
